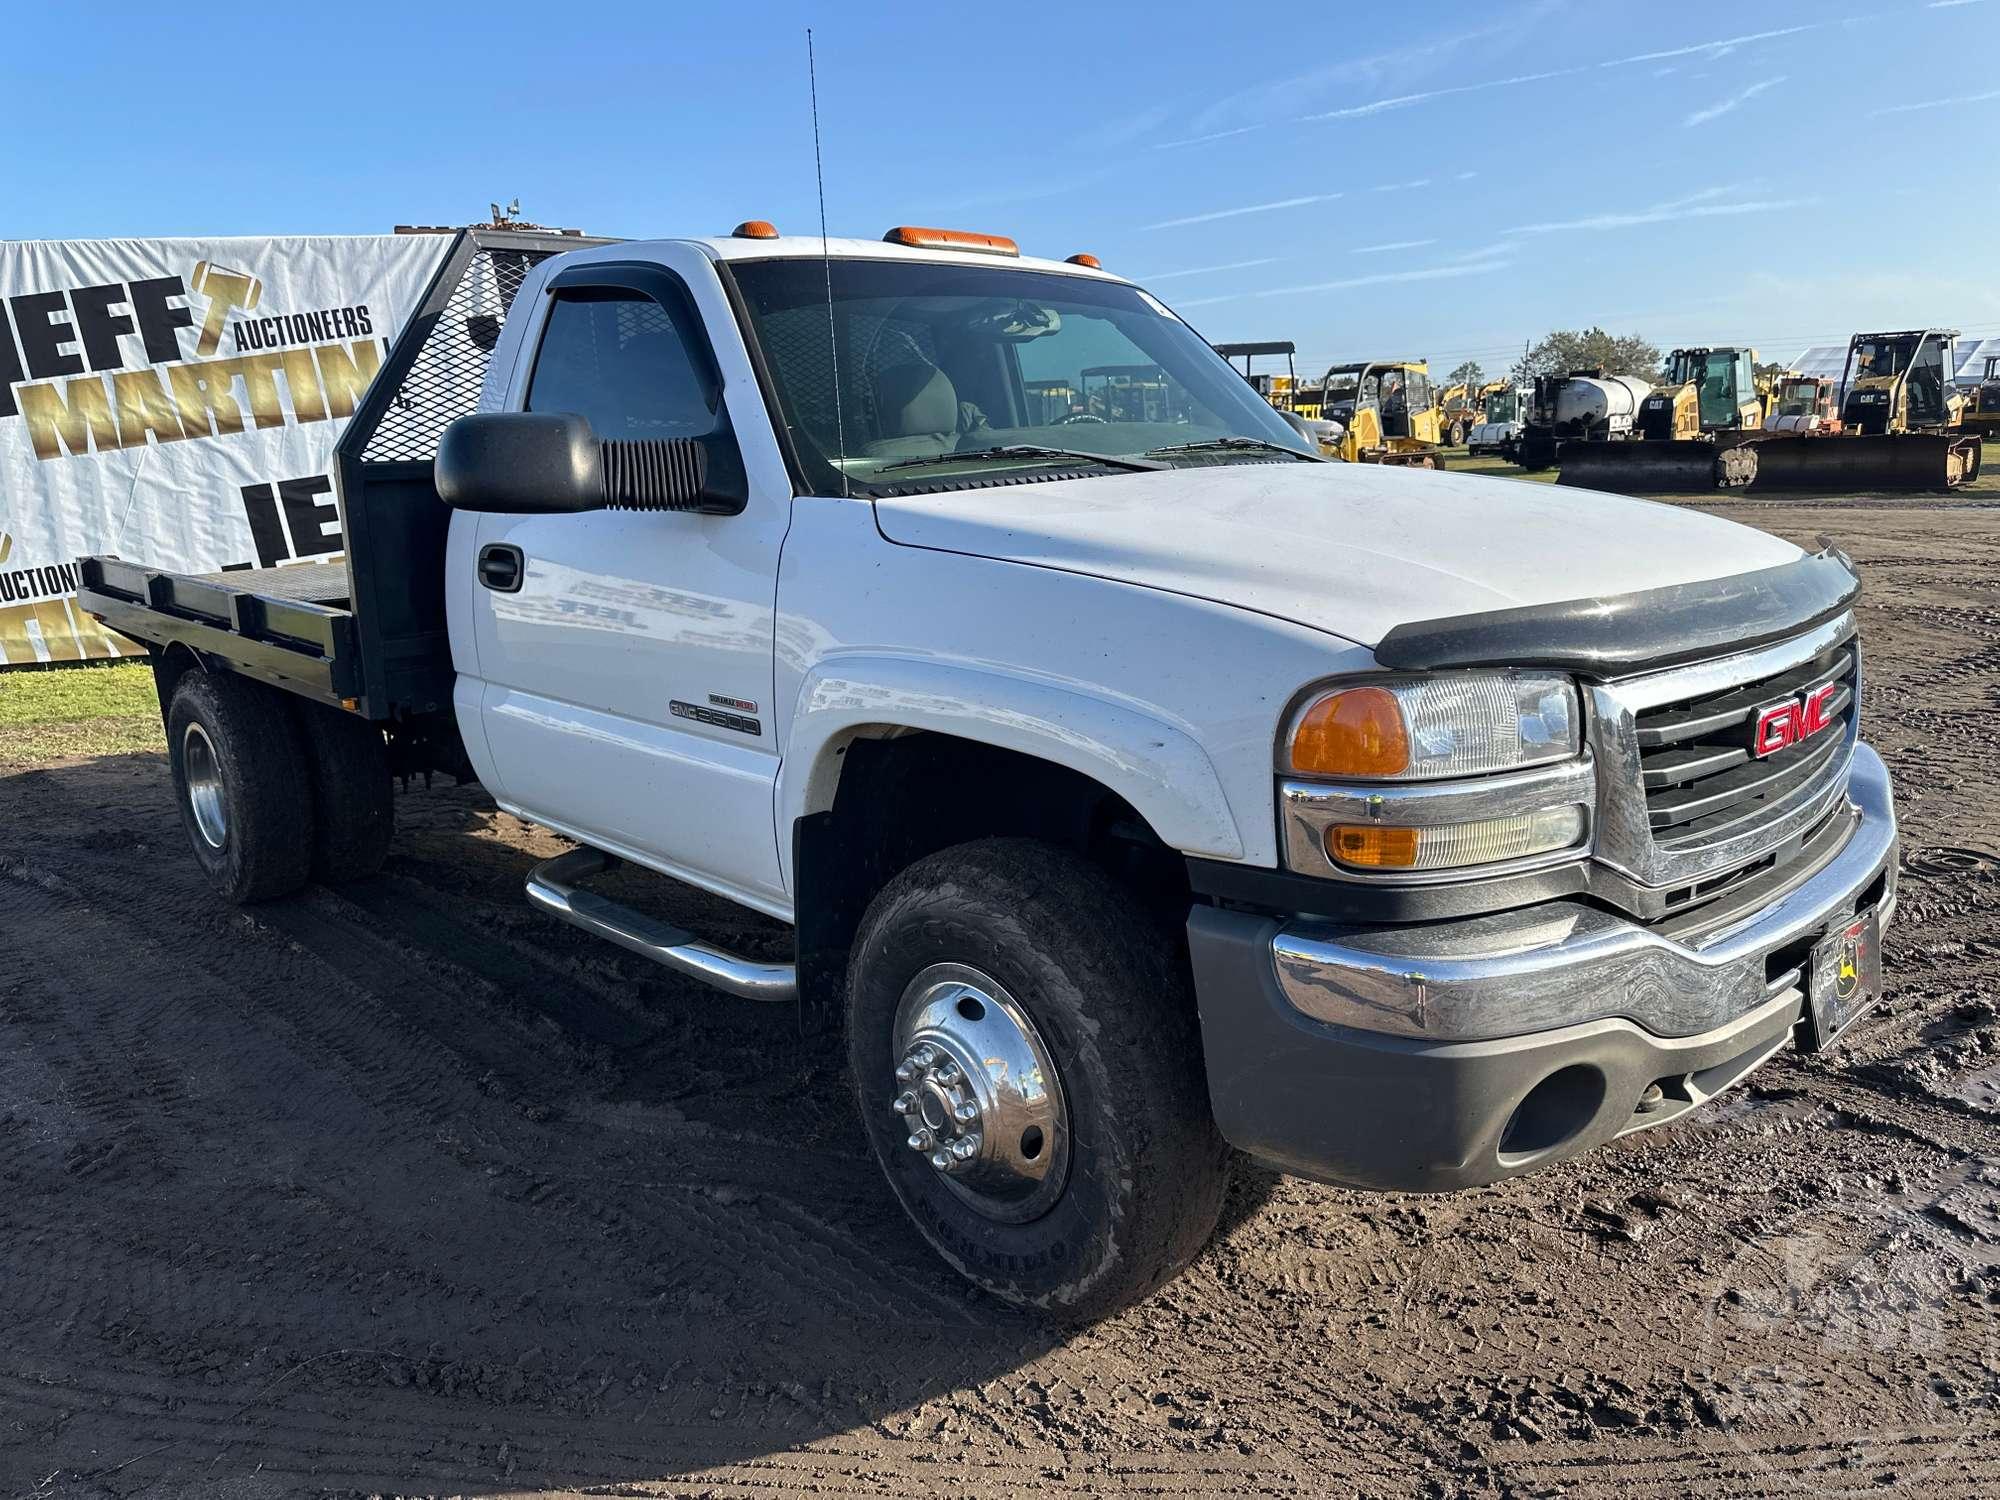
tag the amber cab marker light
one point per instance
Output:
(951, 239)
(1084, 258)
(1370, 847)
(754, 229)
(1356, 733)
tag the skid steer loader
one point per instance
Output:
(1901, 423)
(1687, 436)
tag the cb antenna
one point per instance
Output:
(826, 260)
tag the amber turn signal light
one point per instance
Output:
(1355, 733)
(1371, 847)
(755, 229)
(1084, 258)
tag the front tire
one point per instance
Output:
(1083, 1170)
(240, 774)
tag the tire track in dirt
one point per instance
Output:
(428, 1193)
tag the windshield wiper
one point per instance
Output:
(1022, 450)
(1233, 443)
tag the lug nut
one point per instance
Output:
(965, 1147)
(904, 1103)
(926, 1055)
(949, 1074)
(941, 1161)
(906, 1071)
(921, 1141)
(966, 1113)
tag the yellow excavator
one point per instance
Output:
(1386, 408)
(1901, 424)
(1686, 436)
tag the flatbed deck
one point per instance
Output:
(289, 626)
(305, 583)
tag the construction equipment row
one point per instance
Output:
(1893, 421)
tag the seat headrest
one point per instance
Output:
(915, 398)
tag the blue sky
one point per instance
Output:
(1783, 173)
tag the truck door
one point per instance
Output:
(626, 656)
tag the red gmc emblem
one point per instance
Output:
(1790, 722)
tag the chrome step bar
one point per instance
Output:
(552, 887)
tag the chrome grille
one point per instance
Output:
(1698, 765)
(1681, 798)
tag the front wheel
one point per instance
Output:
(1028, 1067)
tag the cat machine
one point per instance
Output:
(1687, 433)
(1902, 426)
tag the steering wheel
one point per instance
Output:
(1078, 416)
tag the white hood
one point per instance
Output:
(1354, 549)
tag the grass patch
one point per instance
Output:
(70, 711)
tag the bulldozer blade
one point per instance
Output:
(1656, 468)
(1892, 461)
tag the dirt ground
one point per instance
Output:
(407, 1189)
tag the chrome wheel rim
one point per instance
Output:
(203, 773)
(978, 1097)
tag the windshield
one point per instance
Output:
(939, 364)
(1503, 406)
(1878, 357)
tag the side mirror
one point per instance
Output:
(552, 463)
(520, 463)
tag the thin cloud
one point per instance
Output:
(1904, 109)
(1387, 278)
(1249, 208)
(1736, 101)
(1403, 187)
(1271, 101)
(1234, 265)
(1404, 101)
(1695, 206)
(1718, 47)
(1392, 245)
(1951, 4)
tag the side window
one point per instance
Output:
(618, 359)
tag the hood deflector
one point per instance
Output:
(1625, 633)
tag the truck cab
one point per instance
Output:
(1139, 788)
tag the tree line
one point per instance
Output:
(1568, 349)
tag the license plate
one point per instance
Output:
(1846, 980)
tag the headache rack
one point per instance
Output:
(367, 632)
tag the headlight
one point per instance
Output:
(1422, 780)
(1427, 727)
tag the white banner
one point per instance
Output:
(176, 402)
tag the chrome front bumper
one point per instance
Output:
(1564, 963)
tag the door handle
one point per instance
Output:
(501, 567)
